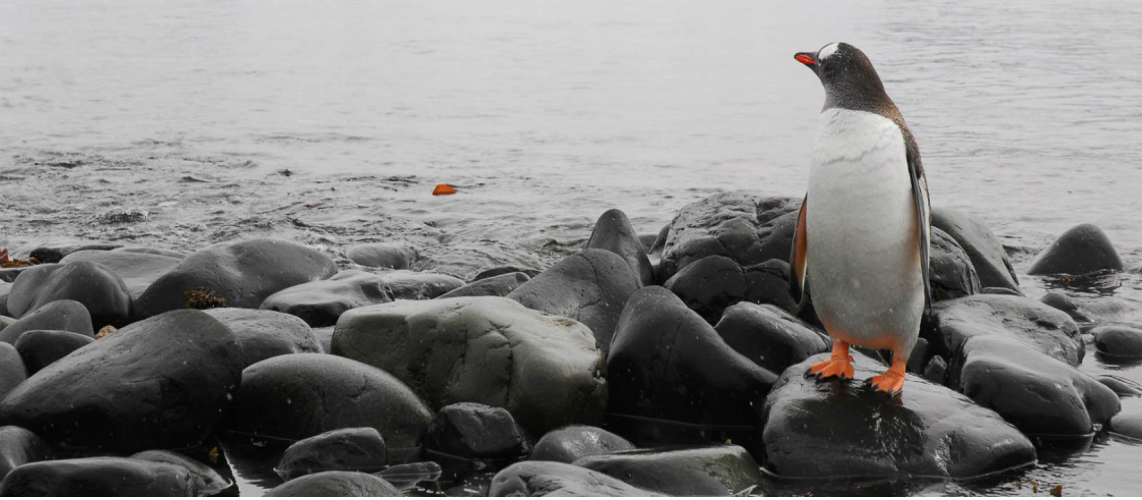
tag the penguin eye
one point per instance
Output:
(827, 51)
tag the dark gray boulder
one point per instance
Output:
(476, 431)
(546, 370)
(98, 477)
(164, 382)
(265, 334)
(668, 363)
(52, 255)
(985, 251)
(320, 303)
(5, 288)
(1038, 325)
(295, 396)
(381, 255)
(137, 269)
(555, 479)
(243, 272)
(711, 284)
(1082, 249)
(40, 348)
(151, 251)
(207, 481)
(19, 446)
(590, 287)
(951, 273)
(770, 336)
(12, 369)
(495, 286)
(1065, 303)
(1122, 386)
(96, 286)
(411, 285)
(336, 484)
(571, 443)
(497, 271)
(1118, 341)
(746, 228)
(67, 315)
(1128, 422)
(360, 449)
(829, 429)
(714, 471)
(613, 232)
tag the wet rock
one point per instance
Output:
(52, 255)
(950, 270)
(571, 443)
(613, 232)
(981, 246)
(770, 336)
(5, 322)
(138, 270)
(1040, 326)
(654, 248)
(748, 229)
(545, 370)
(99, 477)
(590, 287)
(19, 446)
(995, 290)
(296, 396)
(5, 287)
(711, 284)
(336, 484)
(936, 370)
(668, 363)
(265, 334)
(320, 303)
(1082, 249)
(1118, 341)
(206, 480)
(1128, 422)
(40, 348)
(152, 251)
(1035, 392)
(828, 429)
(497, 271)
(477, 431)
(1066, 304)
(710, 471)
(381, 255)
(96, 286)
(67, 315)
(1124, 387)
(495, 286)
(324, 337)
(551, 479)
(410, 285)
(159, 383)
(244, 273)
(358, 449)
(12, 370)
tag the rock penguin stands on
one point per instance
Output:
(860, 249)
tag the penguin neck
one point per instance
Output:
(860, 92)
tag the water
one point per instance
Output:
(545, 114)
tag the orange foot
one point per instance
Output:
(839, 364)
(892, 381)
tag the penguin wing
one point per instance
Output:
(923, 209)
(799, 256)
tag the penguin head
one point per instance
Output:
(846, 73)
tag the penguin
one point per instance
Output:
(860, 246)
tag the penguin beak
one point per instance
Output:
(806, 58)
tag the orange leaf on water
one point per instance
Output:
(443, 189)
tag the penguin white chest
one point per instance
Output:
(862, 231)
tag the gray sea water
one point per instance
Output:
(173, 125)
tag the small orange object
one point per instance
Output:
(443, 189)
(3, 255)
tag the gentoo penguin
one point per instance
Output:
(861, 240)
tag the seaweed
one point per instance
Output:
(205, 298)
(6, 262)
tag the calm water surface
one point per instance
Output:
(545, 114)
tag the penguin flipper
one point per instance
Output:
(799, 257)
(923, 211)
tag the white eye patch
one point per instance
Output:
(827, 51)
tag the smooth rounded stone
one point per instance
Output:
(164, 382)
(656, 246)
(770, 336)
(12, 369)
(709, 471)
(535, 478)
(19, 446)
(996, 290)
(1124, 387)
(981, 245)
(67, 315)
(495, 286)
(950, 270)
(590, 287)
(359, 449)
(320, 303)
(52, 255)
(94, 285)
(496, 271)
(1082, 249)
(99, 477)
(5, 288)
(244, 273)
(324, 337)
(295, 396)
(411, 285)
(711, 284)
(407, 475)
(668, 363)
(613, 232)
(152, 251)
(5, 322)
(1066, 304)
(137, 269)
(827, 429)
(746, 228)
(265, 334)
(573, 442)
(546, 370)
(335, 484)
(1128, 422)
(1035, 392)
(1119, 341)
(1040, 326)
(381, 255)
(474, 430)
(207, 481)
(40, 348)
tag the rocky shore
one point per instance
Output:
(643, 364)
